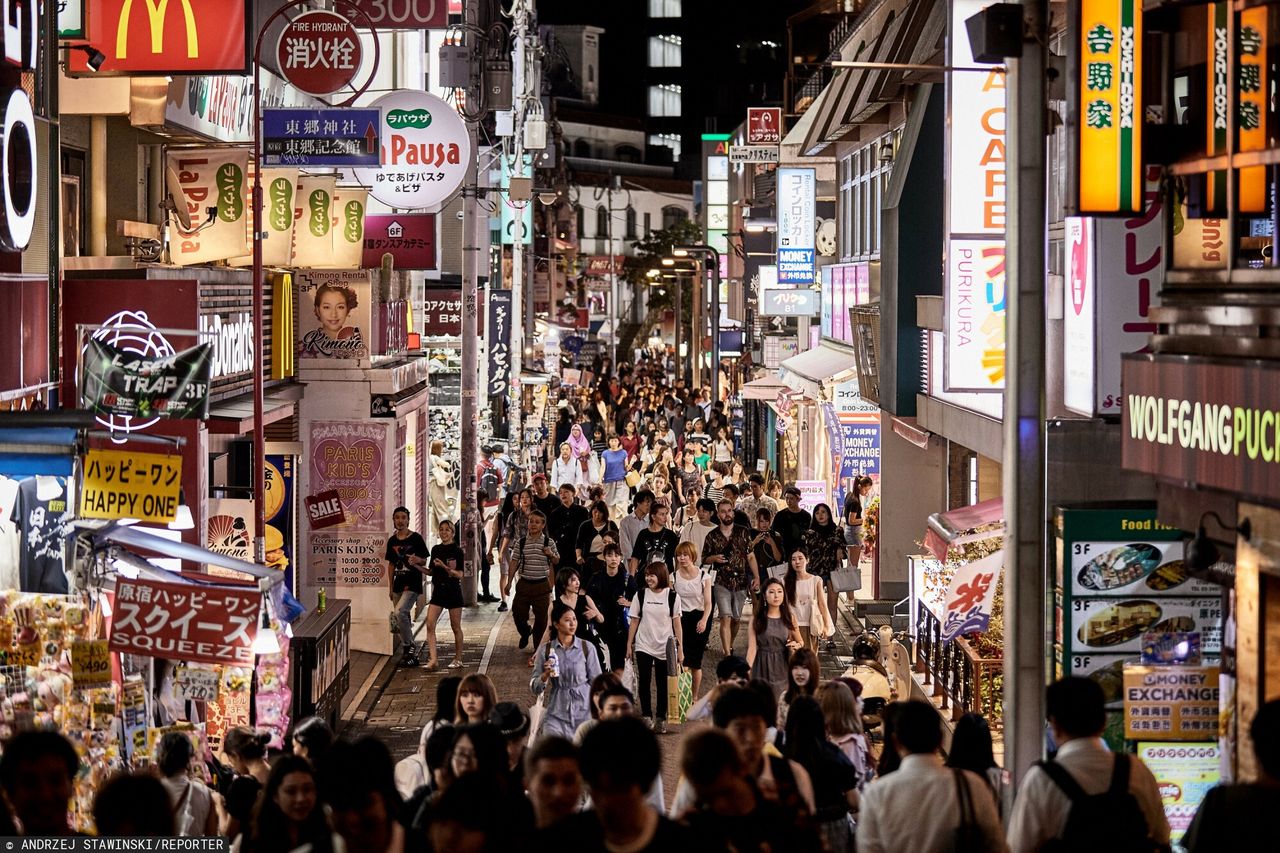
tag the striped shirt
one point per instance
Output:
(534, 565)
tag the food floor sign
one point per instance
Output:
(1118, 576)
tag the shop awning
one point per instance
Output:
(765, 388)
(44, 451)
(235, 416)
(952, 527)
(826, 363)
(896, 31)
(143, 541)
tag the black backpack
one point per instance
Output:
(1110, 822)
(490, 482)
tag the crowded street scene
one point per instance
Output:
(472, 426)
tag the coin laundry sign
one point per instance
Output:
(1107, 106)
(19, 167)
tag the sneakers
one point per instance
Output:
(502, 607)
(660, 727)
(831, 645)
(487, 598)
(524, 639)
(409, 659)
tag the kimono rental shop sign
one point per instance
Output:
(210, 624)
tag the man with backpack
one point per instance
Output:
(1086, 798)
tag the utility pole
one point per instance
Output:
(470, 512)
(1025, 578)
(526, 87)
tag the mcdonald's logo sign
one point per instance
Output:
(167, 37)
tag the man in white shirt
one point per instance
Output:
(696, 529)
(638, 519)
(1077, 716)
(917, 807)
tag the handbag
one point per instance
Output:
(846, 580)
(778, 571)
(633, 478)
(969, 835)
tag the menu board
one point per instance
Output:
(1132, 568)
(1117, 625)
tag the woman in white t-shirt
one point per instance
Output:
(655, 620)
(693, 587)
(808, 600)
(194, 814)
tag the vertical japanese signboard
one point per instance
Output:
(1217, 79)
(975, 277)
(1105, 106)
(1252, 99)
(796, 212)
(498, 340)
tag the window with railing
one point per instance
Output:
(664, 51)
(631, 223)
(602, 222)
(667, 140)
(673, 215)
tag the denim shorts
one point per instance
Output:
(729, 602)
(852, 535)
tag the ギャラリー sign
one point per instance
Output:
(126, 484)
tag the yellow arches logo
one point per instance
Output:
(156, 12)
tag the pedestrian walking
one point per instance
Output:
(690, 482)
(1087, 797)
(564, 669)
(766, 544)
(593, 536)
(611, 591)
(543, 498)
(803, 674)
(131, 805)
(37, 769)
(513, 724)
(835, 780)
(655, 619)
(614, 460)
(773, 637)
(514, 529)
(446, 594)
(755, 498)
(808, 600)
(311, 738)
(635, 521)
(555, 784)
(580, 446)
(194, 812)
(727, 552)
(568, 591)
(845, 728)
(972, 749)
(853, 519)
(1228, 817)
(289, 814)
(476, 698)
(406, 558)
(695, 530)
(960, 811)
(824, 543)
(657, 542)
(692, 584)
(564, 523)
(532, 558)
(565, 469)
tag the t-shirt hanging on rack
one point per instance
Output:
(43, 524)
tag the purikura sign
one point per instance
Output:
(425, 149)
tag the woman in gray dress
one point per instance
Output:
(774, 636)
(565, 678)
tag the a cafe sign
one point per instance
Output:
(1212, 422)
(1105, 106)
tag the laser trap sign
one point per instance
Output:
(126, 484)
(425, 149)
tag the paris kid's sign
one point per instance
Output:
(156, 37)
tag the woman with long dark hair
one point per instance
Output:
(802, 680)
(835, 781)
(288, 814)
(593, 536)
(808, 600)
(824, 542)
(972, 749)
(774, 635)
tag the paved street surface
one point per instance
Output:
(400, 700)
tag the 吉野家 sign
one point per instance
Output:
(754, 154)
(1105, 106)
(790, 303)
(764, 125)
(166, 37)
(332, 137)
(425, 150)
(115, 381)
(796, 210)
(1171, 702)
(212, 624)
(128, 484)
(319, 52)
(410, 238)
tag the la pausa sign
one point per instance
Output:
(424, 151)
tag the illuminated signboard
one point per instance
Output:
(19, 168)
(795, 226)
(1252, 94)
(974, 353)
(1106, 105)
(166, 37)
(789, 303)
(1216, 109)
(425, 150)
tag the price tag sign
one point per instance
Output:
(196, 684)
(90, 664)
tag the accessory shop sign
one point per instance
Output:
(209, 624)
(19, 169)
(425, 149)
(118, 382)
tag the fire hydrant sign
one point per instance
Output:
(425, 149)
(126, 484)
(211, 624)
(319, 52)
(1171, 702)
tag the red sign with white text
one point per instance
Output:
(210, 624)
(319, 52)
(325, 509)
(764, 125)
(409, 237)
(166, 37)
(407, 14)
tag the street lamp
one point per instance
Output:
(704, 250)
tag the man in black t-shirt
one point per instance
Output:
(655, 543)
(406, 558)
(543, 499)
(792, 522)
(564, 522)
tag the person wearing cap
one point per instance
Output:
(543, 498)
(792, 521)
(731, 671)
(513, 723)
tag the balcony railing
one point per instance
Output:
(960, 678)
